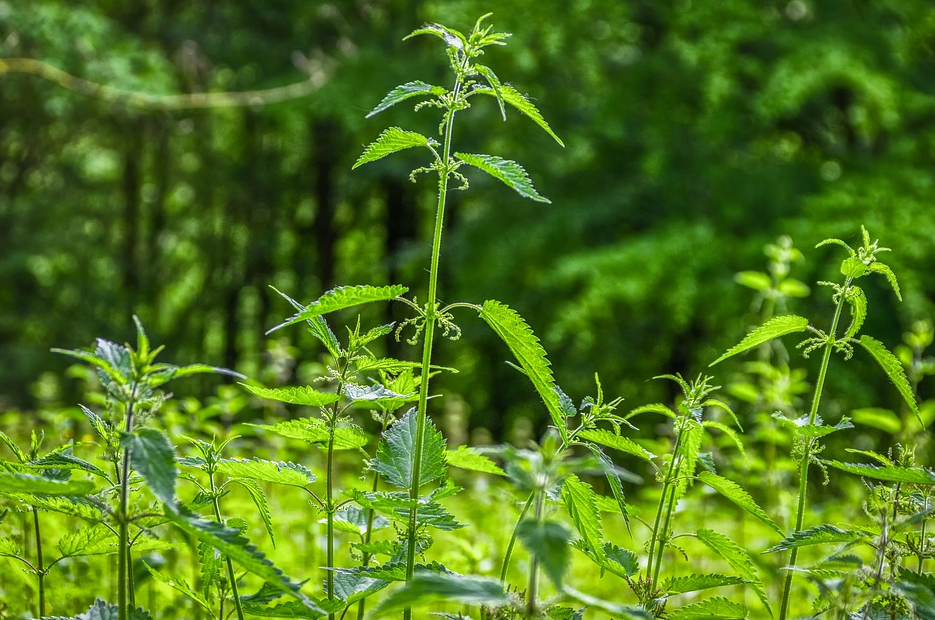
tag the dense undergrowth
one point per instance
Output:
(747, 496)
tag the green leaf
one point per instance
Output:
(466, 457)
(521, 103)
(884, 419)
(714, 608)
(617, 611)
(581, 503)
(619, 561)
(651, 408)
(17, 452)
(375, 393)
(430, 588)
(773, 328)
(757, 280)
(295, 609)
(739, 560)
(342, 297)
(522, 342)
(397, 505)
(231, 543)
(878, 267)
(394, 455)
(449, 35)
(262, 505)
(894, 370)
(494, 82)
(317, 326)
(735, 493)
(731, 433)
(505, 170)
(66, 504)
(63, 460)
(179, 584)
(153, 457)
(406, 91)
(819, 429)
(354, 520)
(548, 541)
(790, 287)
(858, 303)
(305, 396)
(612, 473)
(617, 442)
(392, 140)
(8, 547)
(38, 485)
(101, 610)
(854, 267)
(818, 535)
(281, 472)
(95, 540)
(314, 430)
(910, 475)
(694, 583)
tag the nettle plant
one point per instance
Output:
(809, 429)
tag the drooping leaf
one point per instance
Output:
(878, 267)
(317, 327)
(8, 547)
(64, 460)
(430, 588)
(739, 560)
(521, 103)
(352, 586)
(394, 455)
(101, 610)
(527, 350)
(617, 611)
(231, 543)
(858, 303)
(342, 297)
(295, 609)
(714, 608)
(406, 91)
(304, 395)
(910, 475)
(818, 535)
(735, 493)
(773, 328)
(757, 280)
(466, 457)
(281, 472)
(505, 170)
(495, 85)
(262, 505)
(179, 584)
(314, 430)
(733, 435)
(375, 393)
(894, 370)
(694, 583)
(612, 474)
(651, 408)
(153, 457)
(580, 501)
(392, 140)
(884, 419)
(450, 36)
(548, 542)
(617, 442)
(38, 485)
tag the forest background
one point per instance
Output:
(696, 133)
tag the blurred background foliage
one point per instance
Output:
(696, 134)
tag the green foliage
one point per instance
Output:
(893, 369)
(715, 608)
(548, 542)
(774, 328)
(391, 141)
(509, 172)
(817, 535)
(735, 493)
(466, 457)
(738, 559)
(281, 472)
(152, 455)
(343, 297)
(100, 610)
(306, 396)
(428, 588)
(393, 460)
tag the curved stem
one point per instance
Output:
(807, 449)
(40, 568)
(431, 315)
(230, 565)
(509, 548)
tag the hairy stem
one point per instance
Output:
(666, 483)
(230, 565)
(40, 567)
(807, 449)
(534, 569)
(430, 319)
(123, 520)
(362, 606)
(509, 548)
(329, 508)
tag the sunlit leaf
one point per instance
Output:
(774, 328)
(505, 170)
(894, 370)
(392, 140)
(406, 91)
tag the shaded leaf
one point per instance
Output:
(581, 503)
(394, 455)
(429, 588)
(261, 503)
(179, 584)
(95, 540)
(548, 542)
(618, 611)
(858, 303)
(153, 457)
(878, 267)
(101, 610)
(38, 485)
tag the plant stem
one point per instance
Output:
(428, 338)
(662, 502)
(808, 444)
(534, 569)
(40, 567)
(230, 565)
(367, 537)
(509, 548)
(122, 517)
(329, 510)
